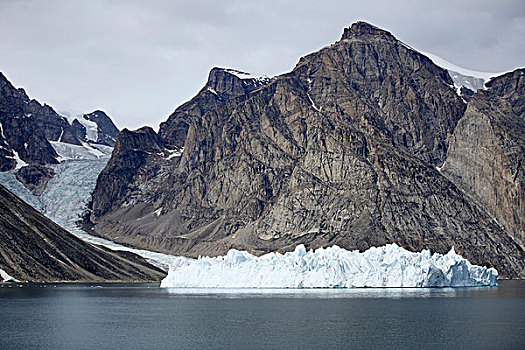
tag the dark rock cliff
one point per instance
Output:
(342, 150)
(222, 85)
(106, 129)
(35, 177)
(27, 126)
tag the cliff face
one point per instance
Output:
(222, 85)
(342, 150)
(103, 131)
(33, 248)
(487, 152)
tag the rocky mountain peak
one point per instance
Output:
(145, 139)
(222, 85)
(232, 82)
(7, 90)
(397, 82)
(511, 86)
(363, 29)
(342, 150)
(106, 129)
(34, 135)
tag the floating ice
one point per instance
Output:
(334, 267)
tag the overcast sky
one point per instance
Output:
(139, 60)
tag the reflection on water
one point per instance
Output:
(311, 293)
(510, 288)
(144, 316)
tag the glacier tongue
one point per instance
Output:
(334, 267)
(67, 194)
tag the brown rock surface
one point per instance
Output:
(342, 150)
(487, 152)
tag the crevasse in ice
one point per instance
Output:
(334, 267)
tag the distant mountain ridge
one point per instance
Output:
(29, 128)
(353, 147)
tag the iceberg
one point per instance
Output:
(334, 267)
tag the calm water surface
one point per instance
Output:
(146, 317)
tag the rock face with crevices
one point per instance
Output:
(35, 177)
(342, 150)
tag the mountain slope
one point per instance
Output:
(33, 248)
(342, 150)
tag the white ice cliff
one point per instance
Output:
(334, 267)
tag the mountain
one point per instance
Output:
(33, 248)
(34, 136)
(95, 128)
(34, 140)
(345, 149)
(30, 131)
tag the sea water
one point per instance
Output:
(118, 316)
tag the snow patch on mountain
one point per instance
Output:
(172, 153)
(67, 151)
(90, 126)
(243, 75)
(19, 162)
(469, 82)
(438, 61)
(91, 129)
(5, 277)
(334, 267)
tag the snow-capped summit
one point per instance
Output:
(95, 127)
(462, 77)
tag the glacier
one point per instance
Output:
(333, 267)
(67, 195)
